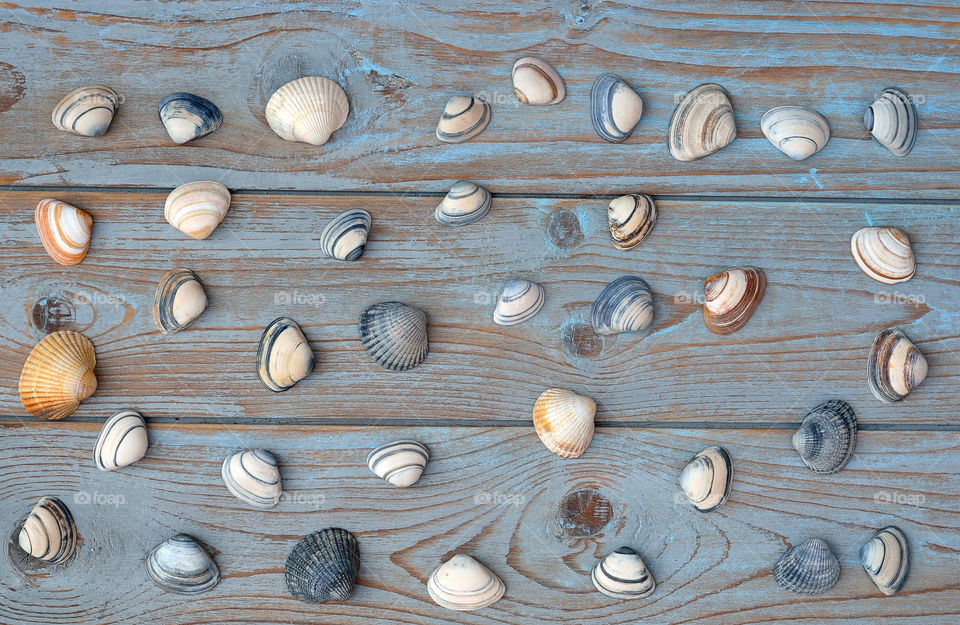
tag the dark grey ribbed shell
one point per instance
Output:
(625, 305)
(187, 117)
(323, 566)
(810, 568)
(394, 335)
(345, 236)
(827, 437)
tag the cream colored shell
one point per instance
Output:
(536, 82)
(461, 583)
(564, 421)
(308, 110)
(884, 254)
(197, 208)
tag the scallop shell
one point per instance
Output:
(536, 82)
(521, 300)
(180, 565)
(86, 111)
(797, 131)
(827, 437)
(64, 230)
(345, 236)
(187, 117)
(886, 559)
(197, 208)
(615, 108)
(463, 118)
(631, 218)
(58, 375)
(564, 421)
(625, 305)
(284, 356)
(895, 367)
(892, 120)
(394, 335)
(49, 533)
(461, 583)
(623, 575)
(884, 254)
(464, 204)
(810, 568)
(731, 297)
(308, 110)
(702, 123)
(323, 566)
(179, 300)
(400, 463)
(122, 441)
(253, 477)
(707, 479)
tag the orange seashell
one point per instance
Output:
(564, 421)
(58, 375)
(731, 298)
(64, 230)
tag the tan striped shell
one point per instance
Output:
(58, 375)
(564, 421)
(64, 230)
(197, 208)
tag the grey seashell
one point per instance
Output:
(252, 476)
(323, 566)
(463, 584)
(623, 575)
(345, 236)
(122, 441)
(462, 119)
(86, 111)
(827, 437)
(180, 565)
(707, 479)
(892, 120)
(615, 108)
(179, 301)
(895, 366)
(521, 300)
(394, 335)
(400, 463)
(884, 254)
(702, 123)
(631, 218)
(465, 203)
(49, 533)
(284, 357)
(187, 117)
(536, 82)
(797, 131)
(810, 568)
(886, 559)
(625, 305)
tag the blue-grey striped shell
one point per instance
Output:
(180, 565)
(895, 366)
(252, 476)
(521, 300)
(49, 533)
(462, 119)
(345, 236)
(706, 480)
(400, 463)
(615, 108)
(465, 203)
(625, 305)
(394, 335)
(122, 441)
(86, 111)
(631, 218)
(323, 566)
(810, 568)
(463, 584)
(179, 301)
(702, 123)
(797, 131)
(892, 120)
(827, 437)
(886, 559)
(284, 356)
(187, 117)
(623, 575)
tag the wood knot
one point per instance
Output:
(564, 230)
(12, 86)
(580, 340)
(584, 512)
(51, 313)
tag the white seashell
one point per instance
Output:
(827, 437)
(707, 479)
(395, 335)
(197, 208)
(253, 477)
(462, 119)
(64, 230)
(884, 254)
(810, 568)
(284, 356)
(892, 120)
(400, 463)
(461, 583)
(731, 297)
(122, 441)
(625, 305)
(702, 123)
(521, 300)
(631, 218)
(886, 559)
(464, 204)
(895, 367)
(307, 109)
(536, 82)
(345, 236)
(49, 533)
(187, 117)
(623, 575)
(180, 565)
(86, 111)
(564, 421)
(179, 301)
(797, 131)
(615, 108)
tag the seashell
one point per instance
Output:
(731, 297)
(253, 477)
(180, 565)
(564, 421)
(179, 300)
(463, 118)
(345, 236)
(797, 131)
(122, 441)
(615, 108)
(623, 575)
(323, 566)
(86, 111)
(197, 208)
(49, 533)
(702, 123)
(827, 437)
(810, 568)
(707, 479)
(58, 375)
(400, 463)
(394, 335)
(64, 230)
(308, 110)
(892, 120)
(284, 356)
(886, 559)
(536, 82)
(625, 305)
(461, 583)
(884, 254)
(895, 367)
(187, 117)
(631, 218)
(464, 204)
(521, 300)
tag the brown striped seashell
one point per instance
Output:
(121, 442)
(463, 584)
(536, 82)
(58, 375)
(462, 119)
(179, 300)
(86, 111)
(284, 356)
(702, 123)
(564, 421)
(731, 297)
(64, 230)
(197, 208)
(49, 533)
(631, 218)
(895, 367)
(884, 254)
(308, 110)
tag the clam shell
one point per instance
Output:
(197, 208)
(253, 477)
(631, 218)
(464, 204)
(707, 479)
(895, 367)
(462, 119)
(308, 110)
(323, 566)
(615, 108)
(702, 123)
(564, 421)
(810, 568)
(58, 375)
(536, 82)
(623, 575)
(827, 437)
(49, 533)
(461, 583)
(345, 236)
(892, 120)
(180, 565)
(284, 356)
(179, 300)
(400, 463)
(187, 117)
(521, 300)
(731, 297)
(394, 335)
(884, 254)
(625, 305)
(121, 442)
(886, 559)
(797, 131)
(64, 230)
(86, 111)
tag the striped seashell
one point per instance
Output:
(536, 82)
(187, 117)
(180, 565)
(623, 575)
(702, 123)
(323, 566)
(895, 367)
(64, 230)
(521, 300)
(631, 218)
(49, 533)
(284, 357)
(400, 463)
(58, 375)
(731, 297)
(179, 300)
(463, 118)
(564, 421)
(810, 568)
(308, 110)
(884, 254)
(345, 236)
(463, 584)
(892, 120)
(253, 477)
(625, 305)
(394, 335)
(827, 437)
(797, 131)
(615, 108)
(121, 442)
(86, 111)
(707, 479)
(886, 559)
(464, 204)
(197, 208)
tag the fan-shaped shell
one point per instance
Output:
(394, 335)
(180, 565)
(122, 441)
(86, 111)
(345, 236)
(64, 230)
(536, 82)
(462, 119)
(615, 108)
(58, 375)
(731, 297)
(252, 476)
(895, 367)
(197, 208)
(308, 110)
(179, 300)
(631, 218)
(892, 120)
(884, 254)
(707, 479)
(49, 533)
(827, 437)
(464, 204)
(284, 356)
(187, 117)
(623, 575)
(564, 421)
(797, 131)
(323, 566)
(886, 559)
(461, 583)
(521, 300)
(702, 123)
(810, 568)
(400, 463)
(625, 305)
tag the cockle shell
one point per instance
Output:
(631, 218)
(615, 108)
(827, 437)
(702, 123)
(810, 568)
(797, 131)
(536, 82)
(58, 375)
(197, 208)
(323, 566)
(122, 441)
(884, 254)
(564, 421)
(284, 356)
(886, 559)
(179, 300)
(400, 463)
(345, 236)
(521, 300)
(49, 533)
(625, 305)
(252, 476)
(86, 111)
(64, 230)
(394, 335)
(892, 120)
(895, 367)
(623, 575)
(307, 109)
(461, 583)
(731, 297)
(187, 117)
(462, 119)
(707, 479)
(180, 565)
(464, 204)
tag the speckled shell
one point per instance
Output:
(64, 230)
(615, 108)
(394, 335)
(86, 111)
(400, 463)
(702, 123)
(464, 204)
(895, 367)
(731, 297)
(122, 441)
(886, 559)
(323, 566)
(892, 120)
(797, 131)
(461, 583)
(58, 375)
(564, 421)
(707, 479)
(187, 117)
(253, 477)
(536, 82)
(631, 218)
(521, 300)
(462, 119)
(284, 356)
(884, 254)
(197, 208)
(179, 300)
(827, 437)
(810, 568)
(623, 575)
(49, 533)
(345, 236)
(308, 110)
(625, 305)
(180, 565)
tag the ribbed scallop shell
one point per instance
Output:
(465, 203)
(253, 477)
(615, 108)
(623, 575)
(58, 375)
(625, 305)
(284, 357)
(810, 568)
(197, 208)
(886, 559)
(884, 254)
(895, 367)
(86, 111)
(400, 463)
(64, 230)
(121, 442)
(536, 82)
(187, 117)
(462, 119)
(394, 335)
(707, 479)
(827, 437)
(731, 297)
(631, 218)
(307, 109)
(180, 565)
(345, 236)
(49, 533)
(564, 421)
(461, 583)
(702, 123)
(892, 120)
(521, 300)
(797, 131)
(323, 566)
(179, 300)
